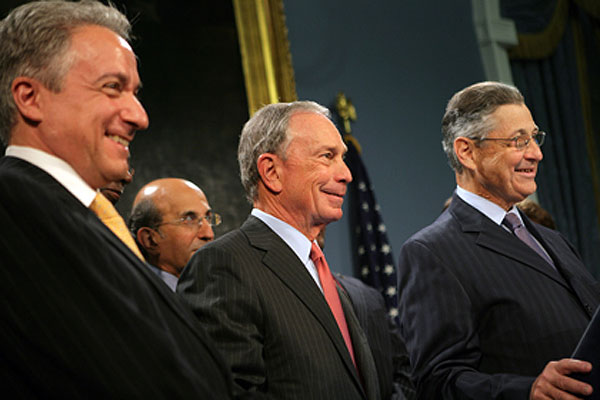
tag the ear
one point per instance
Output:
(268, 165)
(464, 149)
(146, 238)
(26, 93)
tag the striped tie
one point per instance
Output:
(331, 295)
(512, 222)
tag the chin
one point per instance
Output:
(528, 192)
(333, 216)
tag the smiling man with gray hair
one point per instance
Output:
(492, 304)
(264, 291)
(82, 315)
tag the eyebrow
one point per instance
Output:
(522, 132)
(188, 214)
(332, 148)
(123, 79)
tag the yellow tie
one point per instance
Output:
(111, 218)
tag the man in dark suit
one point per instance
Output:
(385, 341)
(487, 313)
(82, 315)
(262, 291)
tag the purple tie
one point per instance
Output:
(512, 222)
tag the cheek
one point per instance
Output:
(496, 164)
(186, 241)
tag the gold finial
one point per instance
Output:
(346, 111)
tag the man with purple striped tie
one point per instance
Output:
(492, 304)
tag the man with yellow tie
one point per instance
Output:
(82, 314)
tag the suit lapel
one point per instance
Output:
(284, 263)
(89, 219)
(497, 239)
(362, 351)
(566, 261)
(142, 268)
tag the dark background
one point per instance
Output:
(194, 95)
(193, 91)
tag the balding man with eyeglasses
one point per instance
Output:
(171, 219)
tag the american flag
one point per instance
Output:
(373, 252)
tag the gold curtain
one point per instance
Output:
(266, 58)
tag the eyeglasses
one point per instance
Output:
(193, 221)
(521, 142)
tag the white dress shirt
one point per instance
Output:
(293, 238)
(58, 169)
(492, 210)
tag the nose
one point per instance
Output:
(533, 152)
(344, 174)
(206, 232)
(134, 113)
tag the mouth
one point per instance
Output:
(117, 192)
(120, 140)
(335, 197)
(112, 195)
(335, 194)
(527, 173)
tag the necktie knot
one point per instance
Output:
(512, 222)
(108, 214)
(315, 253)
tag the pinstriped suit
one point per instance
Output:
(272, 323)
(481, 312)
(81, 316)
(387, 346)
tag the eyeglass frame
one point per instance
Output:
(516, 139)
(213, 216)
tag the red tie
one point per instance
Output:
(331, 295)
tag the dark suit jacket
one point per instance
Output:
(271, 321)
(387, 346)
(82, 317)
(481, 312)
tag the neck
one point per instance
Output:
(468, 183)
(278, 211)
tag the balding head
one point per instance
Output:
(171, 219)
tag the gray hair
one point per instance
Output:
(469, 111)
(267, 132)
(35, 41)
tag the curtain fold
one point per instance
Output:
(562, 92)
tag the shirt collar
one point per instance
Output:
(490, 209)
(290, 235)
(58, 169)
(169, 279)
